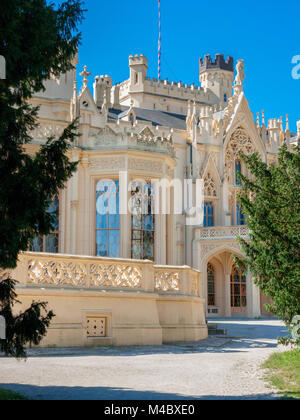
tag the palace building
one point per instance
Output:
(143, 277)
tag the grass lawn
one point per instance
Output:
(9, 395)
(284, 372)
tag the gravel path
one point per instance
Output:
(217, 368)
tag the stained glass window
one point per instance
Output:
(208, 220)
(238, 169)
(238, 288)
(107, 219)
(240, 217)
(49, 243)
(210, 285)
(142, 221)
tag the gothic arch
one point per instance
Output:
(239, 142)
(216, 250)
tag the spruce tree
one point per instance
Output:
(37, 40)
(271, 202)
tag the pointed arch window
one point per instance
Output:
(210, 285)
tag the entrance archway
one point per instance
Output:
(227, 288)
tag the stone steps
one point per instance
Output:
(214, 330)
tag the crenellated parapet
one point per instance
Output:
(218, 63)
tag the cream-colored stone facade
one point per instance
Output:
(156, 131)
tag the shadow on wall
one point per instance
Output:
(112, 393)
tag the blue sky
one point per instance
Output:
(266, 34)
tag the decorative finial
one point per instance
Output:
(263, 117)
(287, 128)
(257, 119)
(85, 74)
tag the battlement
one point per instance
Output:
(103, 80)
(219, 64)
(176, 90)
(138, 60)
(274, 124)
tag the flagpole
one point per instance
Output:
(159, 42)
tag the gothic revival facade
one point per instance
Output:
(144, 131)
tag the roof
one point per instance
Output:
(155, 117)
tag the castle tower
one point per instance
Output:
(217, 76)
(138, 71)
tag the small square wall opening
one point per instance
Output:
(96, 326)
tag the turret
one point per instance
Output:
(217, 76)
(206, 120)
(138, 71)
(116, 97)
(102, 90)
(274, 129)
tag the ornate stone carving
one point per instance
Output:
(167, 281)
(210, 189)
(56, 273)
(144, 140)
(115, 276)
(240, 142)
(194, 285)
(217, 247)
(145, 165)
(44, 131)
(223, 232)
(112, 163)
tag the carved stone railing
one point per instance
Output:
(167, 280)
(222, 232)
(178, 280)
(97, 273)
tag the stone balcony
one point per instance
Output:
(107, 301)
(97, 273)
(221, 233)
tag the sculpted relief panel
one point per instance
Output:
(112, 163)
(145, 165)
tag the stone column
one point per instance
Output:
(125, 217)
(227, 295)
(226, 215)
(204, 286)
(253, 298)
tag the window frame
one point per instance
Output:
(142, 229)
(211, 297)
(56, 233)
(108, 229)
(206, 216)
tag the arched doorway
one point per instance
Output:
(238, 290)
(228, 289)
